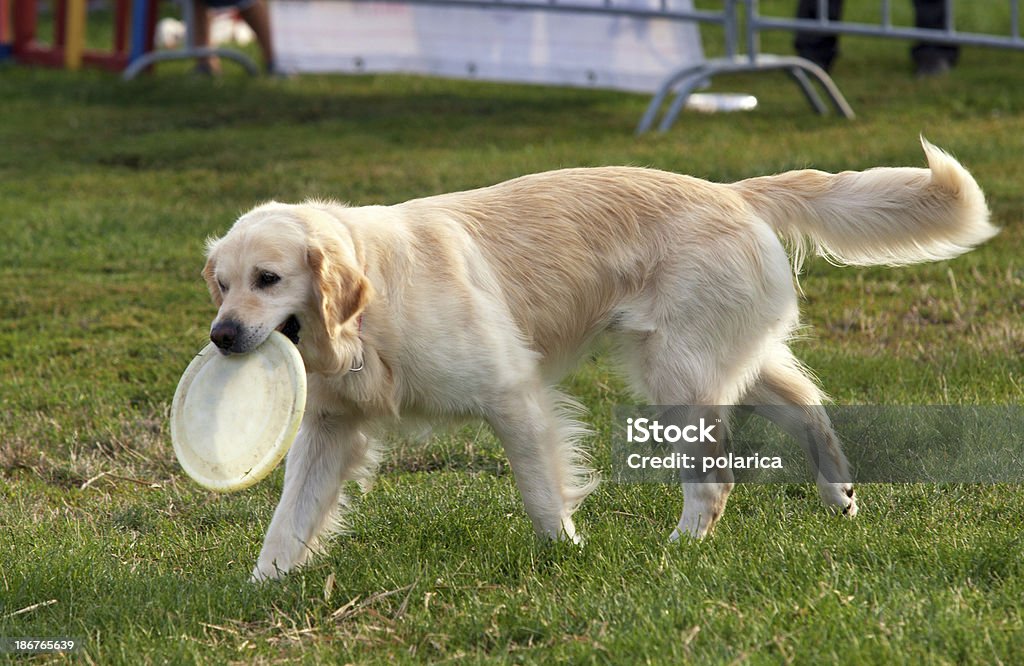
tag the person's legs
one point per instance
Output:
(254, 12)
(930, 58)
(821, 49)
(201, 37)
(257, 16)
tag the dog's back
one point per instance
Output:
(569, 245)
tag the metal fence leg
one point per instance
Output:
(688, 86)
(806, 67)
(805, 85)
(647, 121)
(140, 60)
(832, 90)
(141, 63)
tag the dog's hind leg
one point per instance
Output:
(326, 452)
(784, 394)
(704, 493)
(540, 441)
(696, 337)
(664, 368)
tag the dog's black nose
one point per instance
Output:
(224, 334)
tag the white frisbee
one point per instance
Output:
(234, 417)
(721, 102)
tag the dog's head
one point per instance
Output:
(290, 268)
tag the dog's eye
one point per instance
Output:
(267, 279)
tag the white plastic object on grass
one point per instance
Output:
(721, 102)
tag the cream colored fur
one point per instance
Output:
(475, 304)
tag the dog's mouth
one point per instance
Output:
(290, 328)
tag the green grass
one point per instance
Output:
(107, 193)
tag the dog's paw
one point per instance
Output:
(690, 529)
(680, 535)
(261, 576)
(850, 510)
(839, 497)
(575, 539)
(566, 533)
(267, 569)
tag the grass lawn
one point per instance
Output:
(107, 193)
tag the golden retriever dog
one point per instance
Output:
(475, 304)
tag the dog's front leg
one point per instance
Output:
(317, 463)
(540, 452)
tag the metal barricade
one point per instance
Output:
(188, 52)
(683, 82)
(741, 23)
(758, 23)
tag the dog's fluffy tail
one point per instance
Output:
(890, 216)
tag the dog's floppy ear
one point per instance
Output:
(342, 290)
(209, 274)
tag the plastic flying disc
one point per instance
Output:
(721, 102)
(234, 417)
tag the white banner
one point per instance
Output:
(546, 47)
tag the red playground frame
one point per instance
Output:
(29, 51)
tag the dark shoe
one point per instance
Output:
(204, 69)
(274, 71)
(931, 66)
